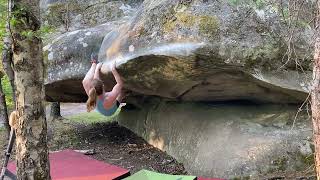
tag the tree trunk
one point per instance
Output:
(315, 100)
(7, 67)
(31, 132)
(3, 110)
(7, 60)
(7, 53)
(55, 110)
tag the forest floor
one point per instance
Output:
(117, 145)
(112, 143)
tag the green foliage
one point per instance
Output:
(7, 91)
(17, 19)
(3, 16)
(27, 33)
(92, 117)
(41, 33)
(45, 30)
(17, 14)
(5, 80)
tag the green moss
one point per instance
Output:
(182, 19)
(206, 24)
(307, 160)
(263, 56)
(279, 164)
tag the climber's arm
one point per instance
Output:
(116, 75)
(97, 71)
(112, 96)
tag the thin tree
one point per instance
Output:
(3, 107)
(31, 127)
(7, 66)
(315, 97)
(7, 60)
(55, 112)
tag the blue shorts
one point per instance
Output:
(106, 112)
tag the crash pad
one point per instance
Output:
(150, 175)
(71, 165)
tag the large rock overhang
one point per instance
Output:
(181, 76)
(184, 62)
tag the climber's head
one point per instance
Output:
(94, 92)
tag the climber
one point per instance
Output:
(105, 103)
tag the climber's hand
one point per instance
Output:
(99, 65)
(113, 65)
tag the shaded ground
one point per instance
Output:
(113, 144)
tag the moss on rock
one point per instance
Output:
(308, 160)
(268, 56)
(208, 25)
(58, 13)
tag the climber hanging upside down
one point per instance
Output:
(105, 103)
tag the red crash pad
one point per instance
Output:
(70, 165)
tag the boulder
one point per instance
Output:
(70, 15)
(192, 51)
(226, 140)
(201, 51)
